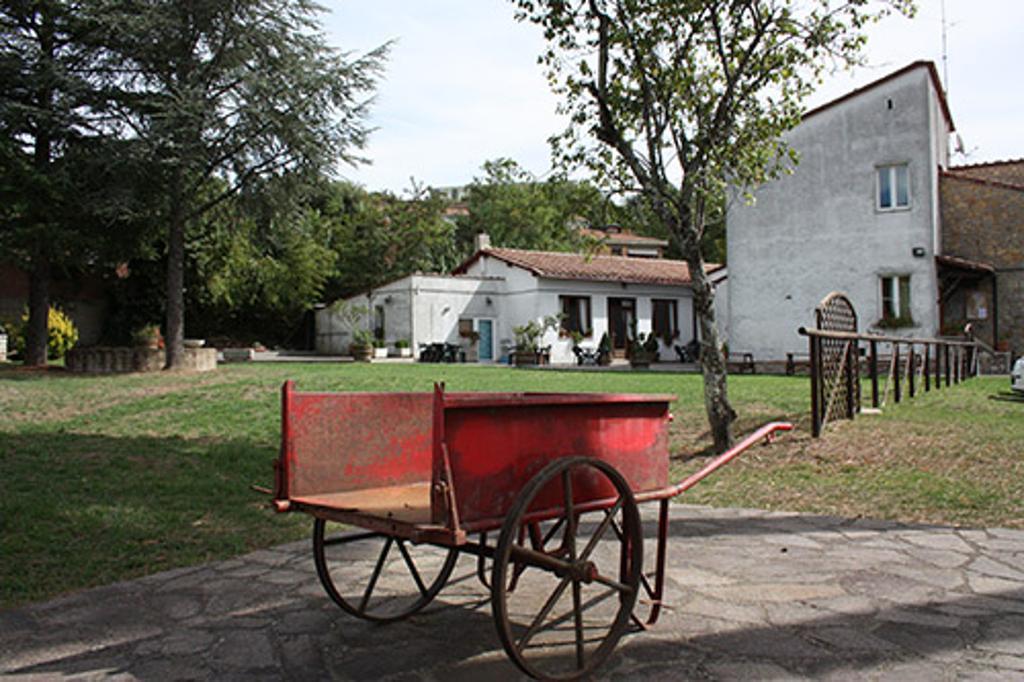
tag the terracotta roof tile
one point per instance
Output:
(575, 266)
(623, 237)
(986, 164)
(955, 175)
(963, 263)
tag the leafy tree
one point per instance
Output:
(635, 213)
(675, 99)
(237, 90)
(519, 211)
(259, 262)
(381, 237)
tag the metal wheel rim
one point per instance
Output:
(633, 533)
(398, 545)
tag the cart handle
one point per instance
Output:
(767, 432)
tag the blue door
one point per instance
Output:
(486, 344)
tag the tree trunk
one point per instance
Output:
(174, 336)
(37, 332)
(712, 361)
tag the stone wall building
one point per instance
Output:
(983, 226)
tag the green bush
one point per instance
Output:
(62, 334)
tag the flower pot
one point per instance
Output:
(380, 352)
(525, 358)
(642, 360)
(361, 353)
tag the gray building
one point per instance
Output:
(859, 214)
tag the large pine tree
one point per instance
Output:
(237, 90)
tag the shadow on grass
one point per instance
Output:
(743, 427)
(81, 510)
(1008, 396)
(17, 372)
(276, 620)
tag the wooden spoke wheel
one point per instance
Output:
(576, 578)
(375, 576)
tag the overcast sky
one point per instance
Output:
(462, 84)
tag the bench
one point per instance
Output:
(795, 361)
(740, 362)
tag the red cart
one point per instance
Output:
(559, 476)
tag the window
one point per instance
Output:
(575, 314)
(977, 305)
(378, 322)
(664, 321)
(896, 300)
(893, 187)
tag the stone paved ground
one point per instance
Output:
(756, 596)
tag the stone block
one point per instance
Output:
(237, 354)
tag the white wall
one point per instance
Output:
(818, 230)
(442, 301)
(418, 308)
(427, 309)
(333, 337)
(530, 298)
(722, 315)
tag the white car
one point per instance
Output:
(1017, 376)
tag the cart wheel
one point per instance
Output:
(351, 565)
(576, 581)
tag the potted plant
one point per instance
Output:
(403, 349)
(528, 350)
(604, 350)
(896, 322)
(643, 351)
(527, 337)
(380, 348)
(362, 345)
(149, 337)
(470, 346)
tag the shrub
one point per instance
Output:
(148, 336)
(363, 338)
(644, 345)
(61, 334)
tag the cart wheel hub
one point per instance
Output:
(584, 571)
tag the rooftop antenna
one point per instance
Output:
(945, 67)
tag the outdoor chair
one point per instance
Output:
(690, 352)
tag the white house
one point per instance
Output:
(498, 289)
(860, 214)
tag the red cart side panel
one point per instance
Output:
(337, 442)
(496, 445)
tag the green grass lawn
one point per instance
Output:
(108, 478)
